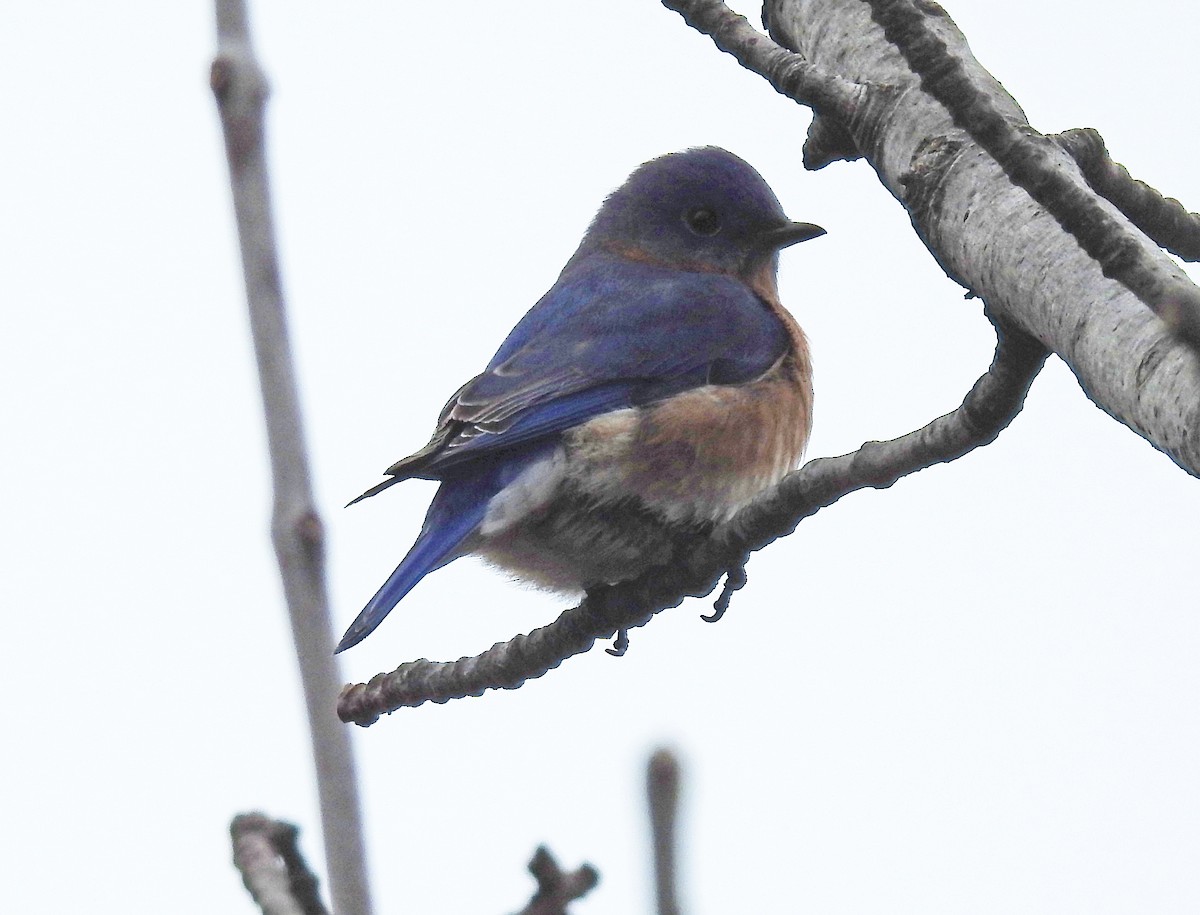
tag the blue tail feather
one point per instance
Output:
(456, 511)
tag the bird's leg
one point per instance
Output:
(735, 580)
(620, 644)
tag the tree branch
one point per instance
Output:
(1164, 219)
(837, 102)
(296, 530)
(267, 854)
(992, 236)
(662, 789)
(989, 407)
(556, 889)
(788, 73)
(1028, 159)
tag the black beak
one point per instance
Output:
(790, 234)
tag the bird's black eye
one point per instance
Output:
(702, 221)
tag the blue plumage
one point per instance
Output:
(605, 338)
(457, 509)
(670, 293)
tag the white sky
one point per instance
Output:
(973, 692)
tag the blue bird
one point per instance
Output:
(657, 388)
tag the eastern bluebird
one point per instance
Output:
(658, 387)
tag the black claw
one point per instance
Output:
(735, 580)
(620, 644)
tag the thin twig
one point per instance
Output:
(838, 103)
(1164, 219)
(556, 889)
(267, 854)
(662, 789)
(988, 408)
(241, 92)
(788, 72)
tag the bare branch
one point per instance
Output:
(1163, 219)
(556, 890)
(993, 237)
(1026, 158)
(789, 73)
(267, 854)
(241, 92)
(990, 406)
(662, 788)
(837, 102)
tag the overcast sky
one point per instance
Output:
(973, 692)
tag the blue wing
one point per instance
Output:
(611, 333)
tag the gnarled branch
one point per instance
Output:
(1164, 219)
(1032, 162)
(996, 238)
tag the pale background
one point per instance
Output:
(974, 692)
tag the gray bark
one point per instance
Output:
(994, 238)
(296, 531)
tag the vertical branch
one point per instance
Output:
(662, 788)
(296, 530)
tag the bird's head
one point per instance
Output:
(701, 209)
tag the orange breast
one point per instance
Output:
(703, 454)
